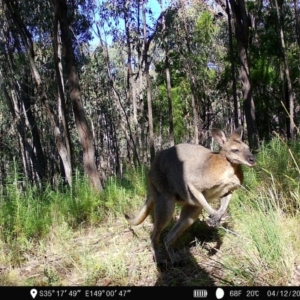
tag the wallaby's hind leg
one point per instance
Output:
(163, 211)
(187, 217)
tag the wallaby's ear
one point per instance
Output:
(237, 133)
(219, 136)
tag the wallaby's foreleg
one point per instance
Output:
(216, 218)
(188, 215)
(201, 199)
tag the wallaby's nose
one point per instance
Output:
(251, 159)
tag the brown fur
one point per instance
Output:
(193, 176)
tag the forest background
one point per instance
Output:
(92, 90)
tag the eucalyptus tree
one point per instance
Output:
(194, 53)
(274, 59)
(267, 47)
(165, 33)
(85, 134)
(123, 86)
(131, 27)
(242, 22)
(16, 85)
(290, 90)
(35, 36)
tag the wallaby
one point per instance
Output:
(192, 175)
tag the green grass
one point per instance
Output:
(28, 213)
(266, 216)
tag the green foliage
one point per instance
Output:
(180, 108)
(124, 194)
(80, 205)
(265, 212)
(29, 213)
(205, 28)
(263, 72)
(274, 183)
(279, 169)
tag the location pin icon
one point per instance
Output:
(33, 293)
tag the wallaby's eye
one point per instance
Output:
(234, 150)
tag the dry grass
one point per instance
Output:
(111, 254)
(114, 255)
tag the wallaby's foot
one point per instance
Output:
(176, 258)
(216, 220)
(159, 257)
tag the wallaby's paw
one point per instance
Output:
(215, 220)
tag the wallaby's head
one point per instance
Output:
(235, 150)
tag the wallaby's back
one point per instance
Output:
(173, 168)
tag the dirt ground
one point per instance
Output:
(117, 255)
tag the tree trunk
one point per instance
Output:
(297, 20)
(291, 130)
(143, 148)
(13, 108)
(169, 87)
(83, 129)
(235, 102)
(149, 97)
(128, 136)
(242, 25)
(61, 98)
(194, 97)
(40, 161)
(131, 87)
(33, 159)
(28, 43)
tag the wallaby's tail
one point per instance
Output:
(143, 213)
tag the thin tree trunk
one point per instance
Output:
(28, 43)
(297, 19)
(149, 97)
(141, 89)
(36, 161)
(168, 76)
(13, 108)
(235, 103)
(128, 136)
(142, 108)
(192, 79)
(131, 86)
(20, 108)
(61, 97)
(83, 129)
(291, 130)
(40, 160)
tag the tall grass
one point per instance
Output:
(266, 218)
(27, 213)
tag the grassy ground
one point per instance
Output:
(81, 238)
